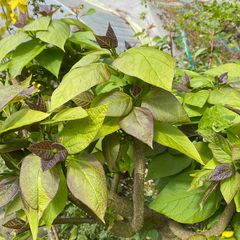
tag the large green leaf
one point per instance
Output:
(139, 124)
(51, 59)
(38, 24)
(164, 106)
(77, 81)
(24, 54)
(197, 99)
(181, 205)
(119, 103)
(148, 64)
(22, 118)
(57, 205)
(233, 70)
(78, 134)
(166, 164)
(217, 118)
(225, 96)
(172, 137)
(86, 181)
(57, 34)
(38, 188)
(230, 187)
(67, 115)
(9, 43)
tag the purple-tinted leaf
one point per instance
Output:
(127, 45)
(108, 41)
(50, 153)
(222, 172)
(136, 91)
(46, 10)
(223, 79)
(15, 223)
(185, 80)
(22, 20)
(139, 124)
(8, 190)
(39, 106)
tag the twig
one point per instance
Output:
(115, 182)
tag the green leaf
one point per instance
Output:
(110, 125)
(181, 205)
(166, 164)
(197, 99)
(58, 203)
(172, 137)
(217, 118)
(38, 24)
(230, 187)
(194, 111)
(119, 103)
(148, 64)
(86, 181)
(22, 118)
(68, 114)
(8, 93)
(201, 82)
(164, 106)
(24, 54)
(38, 188)
(233, 70)
(51, 59)
(225, 96)
(90, 58)
(204, 151)
(78, 134)
(85, 39)
(139, 124)
(236, 225)
(77, 23)
(57, 34)
(10, 42)
(221, 149)
(32, 216)
(77, 81)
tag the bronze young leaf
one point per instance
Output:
(50, 153)
(109, 41)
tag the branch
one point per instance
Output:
(138, 186)
(216, 230)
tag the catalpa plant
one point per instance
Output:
(77, 118)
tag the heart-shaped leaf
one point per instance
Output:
(86, 181)
(139, 124)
